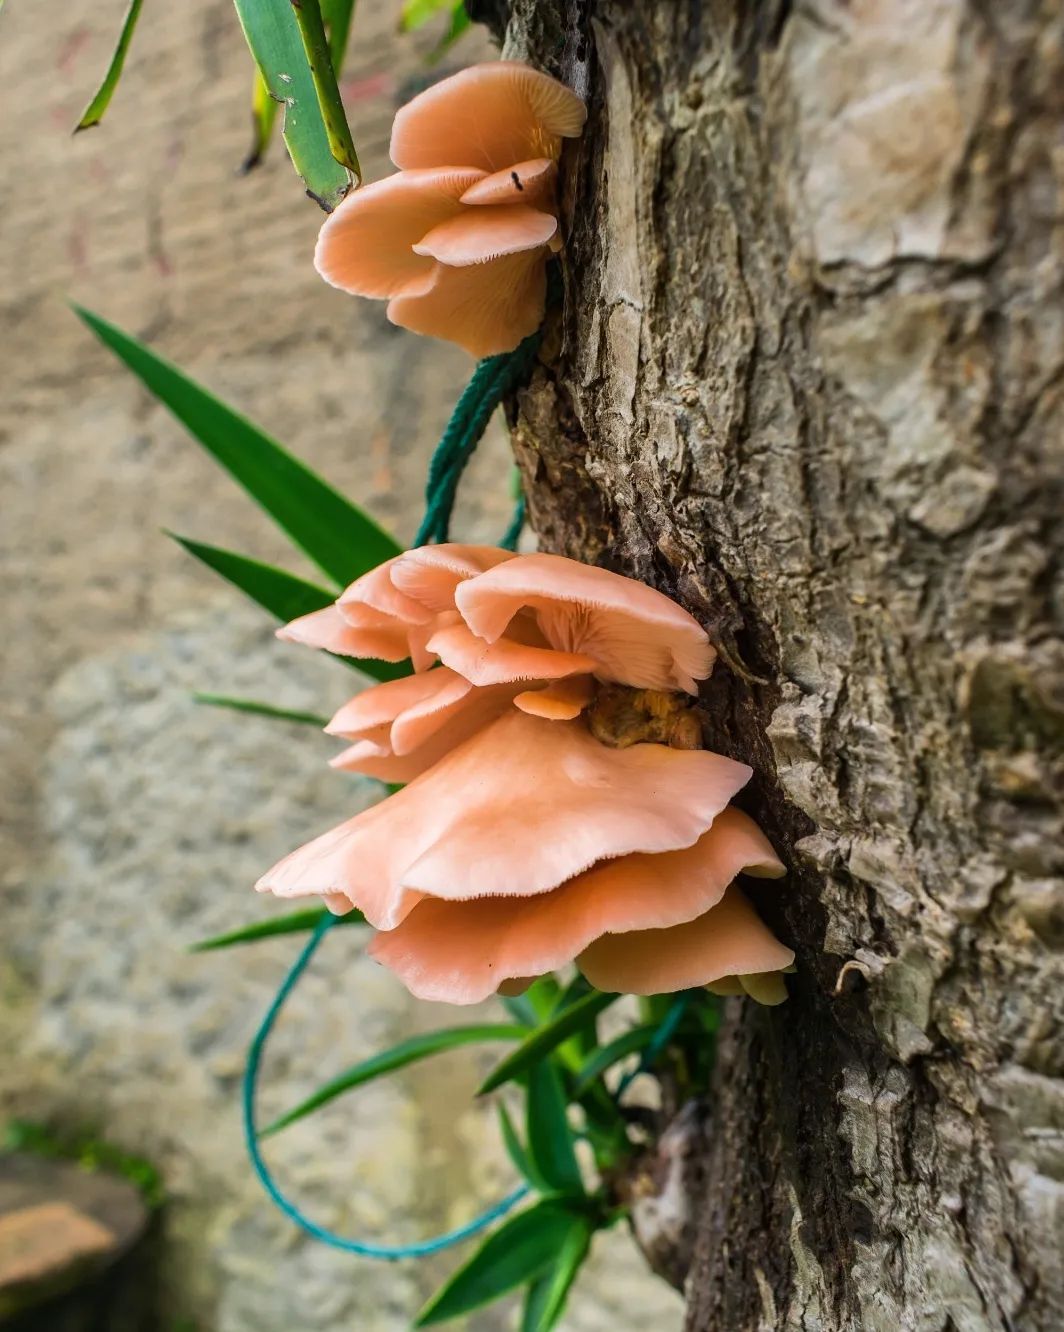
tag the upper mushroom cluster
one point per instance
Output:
(457, 240)
(521, 842)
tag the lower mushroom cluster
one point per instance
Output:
(522, 842)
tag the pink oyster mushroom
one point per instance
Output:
(457, 240)
(530, 631)
(519, 808)
(521, 843)
(460, 952)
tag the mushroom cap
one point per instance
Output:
(561, 700)
(516, 810)
(378, 591)
(429, 575)
(366, 245)
(486, 308)
(509, 659)
(488, 116)
(530, 183)
(727, 941)
(403, 727)
(460, 952)
(392, 611)
(479, 235)
(636, 635)
(333, 632)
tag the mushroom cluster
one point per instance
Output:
(457, 240)
(520, 841)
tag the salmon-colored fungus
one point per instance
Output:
(522, 841)
(457, 240)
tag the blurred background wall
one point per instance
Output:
(134, 821)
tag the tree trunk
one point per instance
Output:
(809, 379)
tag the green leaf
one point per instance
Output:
(93, 113)
(585, 1038)
(460, 22)
(545, 1301)
(536, 1296)
(519, 1251)
(274, 36)
(416, 13)
(282, 594)
(297, 922)
(276, 590)
(323, 74)
(338, 15)
(550, 1137)
(406, 1052)
(630, 1042)
(514, 1147)
(261, 709)
(340, 538)
(544, 994)
(547, 1038)
(263, 119)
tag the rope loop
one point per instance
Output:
(365, 1248)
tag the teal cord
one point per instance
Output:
(492, 380)
(512, 534)
(389, 1252)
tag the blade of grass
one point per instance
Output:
(296, 922)
(340, 538)
(261, 709)
(550, 1136)
(519, 1251)
(630, 1042)
(406, 1052)
(547, 1038)
(514, 1147)
(546, 1298)
(93, 113)
(273, 35)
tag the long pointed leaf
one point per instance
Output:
(273, 35)
(546, 1038)
(93, 113)
(514, 1148)
(263, 119)
(296, 922)
(342, 541)
(550, 1137)
(281, 593)
(406, 1052)
(602, 1059)
(519, 1251)
(546, 1299)
(258, 709)
(535, 1303)
(323, 74)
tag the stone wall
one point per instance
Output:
(133, 821)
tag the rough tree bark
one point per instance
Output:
(809, 378)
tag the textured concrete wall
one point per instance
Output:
(133, 821)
